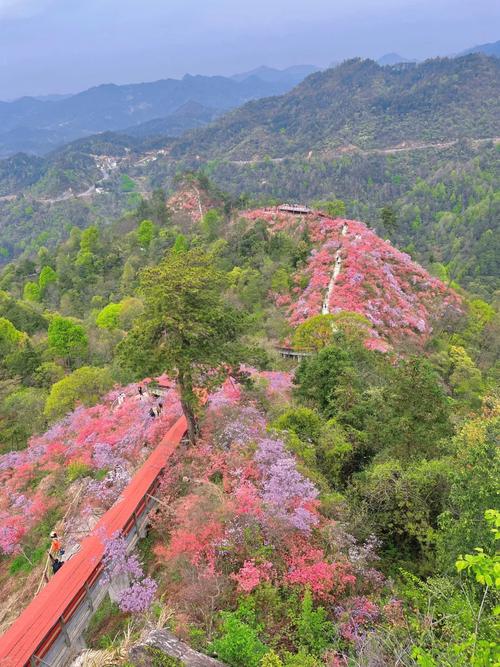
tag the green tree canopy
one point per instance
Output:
(210, 224)
(109, 316)
(47, 276)
(85, 385)
(31, 291)
(474, 487)
(145, 233)
(187, 327)
(67, 338)
(10, 337)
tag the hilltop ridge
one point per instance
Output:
(350, 268)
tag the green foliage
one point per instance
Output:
(238, 643)
(48, 373)
(160, 659)
(130, 309)
(87, 257)
(145, 233)
(211, 225)
(304, 422)
(85, 385)
(335, 208)
(23, 361)
(452, 623)
(388, 219)
(414, 413)
(10, 337)
(314, 630)
(106, 624)
(181, 244)
(186, 323)
(319, 331)
(109, 316)
(315, 333)
(334, 453)
(67, 338)
(24, 316)
(22, 415)
(271, 659)
(474, 488)
(46, 277)
(77, 469)
(302, 659)
(127, 184)
(401, 505)
(31, 292)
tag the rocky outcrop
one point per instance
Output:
(166, 642)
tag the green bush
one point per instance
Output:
(109, 316)
(85, 385)
(314, 630)
(77, 469)
(238, 644)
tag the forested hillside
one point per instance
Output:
(363, 104)
(319, 512)
(410, 150)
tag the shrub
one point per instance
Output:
(77, 469)
(314, 630)
(84, 385)
(239, 644)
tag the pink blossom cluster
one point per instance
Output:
(192, 202)
(251, 575)
(308, 567)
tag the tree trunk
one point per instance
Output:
(188, 399)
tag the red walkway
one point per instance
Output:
(39, 624)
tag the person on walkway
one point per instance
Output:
(152, 413)
(56, 549)
(55, 552)
(121, 398)
(55, 564)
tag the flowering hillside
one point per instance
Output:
(352, 269)
(78, 467)
(241, 524)
(191, 202)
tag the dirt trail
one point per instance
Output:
(337, 267)
(404, 147)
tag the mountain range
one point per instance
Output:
(35, 125)
(362, 104)
(420, 138)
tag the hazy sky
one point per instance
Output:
(58, 46)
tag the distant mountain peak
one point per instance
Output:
(392, 59)
(274, 75)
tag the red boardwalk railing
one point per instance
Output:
(44, 619)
